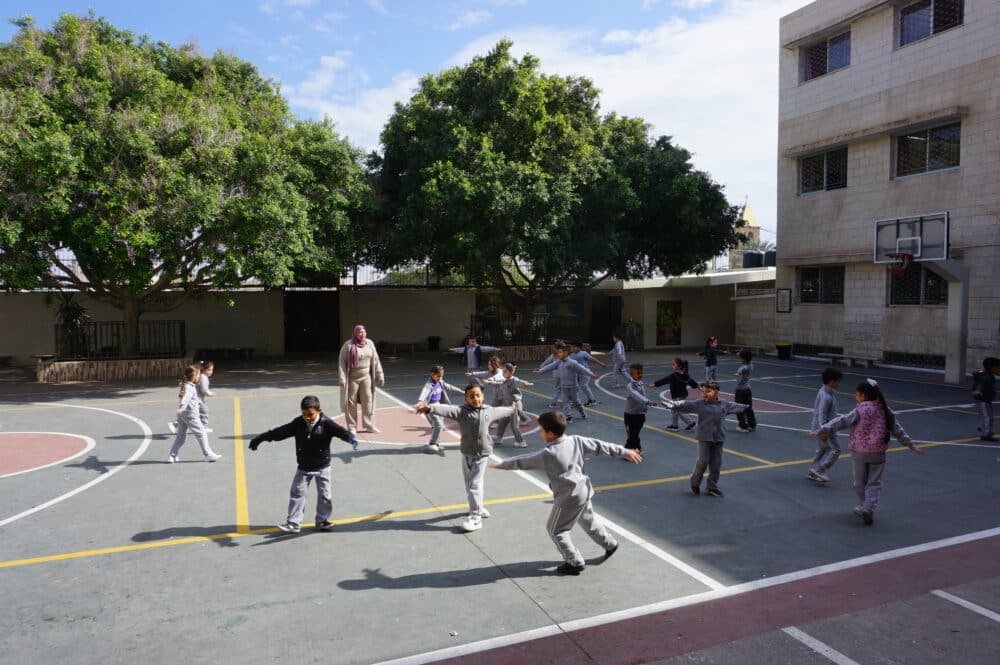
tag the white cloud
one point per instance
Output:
(266, 7)
(377, 6)
(325, 22)
(470, 18)
(693, 4)
(712, 84)
(301, 3)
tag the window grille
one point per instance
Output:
(825, 171)
(822, 285)
(919, 285)
(928, 150)
(826, 56)
(928, 17)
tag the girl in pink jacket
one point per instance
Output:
(871, 423)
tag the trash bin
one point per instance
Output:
(433, 343)
(784, 350)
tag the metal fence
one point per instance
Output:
(115, 339)
(503, 328)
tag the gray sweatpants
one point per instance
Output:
(570, 399)
(827, 453)
(986, 411)
(437, 425)
(203, 412)
(474, 472)
(185, 423)
(709, 455)
(584, 386)
(513, 421)
(297, 495)
(710, 372)
(868, 474)
(561, 521)
(617, 370)
(556, 394)
(683, 417)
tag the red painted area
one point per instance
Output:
(21, 451)
(674, 632)
(401, 426)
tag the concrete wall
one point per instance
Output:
(705, 311)
(885, 86)
(755, 317)
(408, 315)
(254, 320)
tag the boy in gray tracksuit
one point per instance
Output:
(435, 391)
(825, 410)
(557, 392)
(618, 360)
(509, 394)
(582, 356)
(568, 371)
(562, 460)
(711, 433)
(473, 420)
(636, 405)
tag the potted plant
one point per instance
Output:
(784, 350)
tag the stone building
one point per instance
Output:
(889, 115)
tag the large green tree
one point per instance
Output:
(512, 178)
(144, 175)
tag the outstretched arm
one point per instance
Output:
(276, 434)
(534, 460)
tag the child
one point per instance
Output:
(474, 424)
(984, 391)
(871, 422)
(509, 394)
(582, 356)
(636, 405)
(711, 358)
(204, 391)
(313, 433)
(618, 361)
(711, 434)
(189, 418)
(435, 391)
(557, 392)
(825, 410)
(472, 353)
(743, 395)
(492, 374)
(568, 371)
(562, 460)
(679, 382)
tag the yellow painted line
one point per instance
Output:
(242, 504)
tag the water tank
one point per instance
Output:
(770, 258)
(753, 259)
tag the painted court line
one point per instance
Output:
(146, 440)
(978, 609)
(821, 648)
(617, 528)
(90, 446)
(685, 601)
(239, 463)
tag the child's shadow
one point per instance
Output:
(349, 456)
(221, 535)
(376, 523)
(448, 579)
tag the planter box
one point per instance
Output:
(50, 371)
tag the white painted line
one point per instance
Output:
(936, 408)
(978, 609)
(86, 439)
(821, 648)
(693, 599)
(624, 533)
(146, 440)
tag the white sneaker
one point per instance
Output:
(352, 430)
(172, 426)
(483, 513)
(172, 459)
(473, 523)
(745, 430)
(520, 444)
(432, 448)
(213, 457)
(209, 429)
(288, 527)
(373, 430)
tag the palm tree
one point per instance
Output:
(756, 244)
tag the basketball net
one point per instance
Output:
(900, 261)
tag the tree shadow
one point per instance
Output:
(449, 579)
(220, 534)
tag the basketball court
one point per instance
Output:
(109, 554)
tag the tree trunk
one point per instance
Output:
(131, 311)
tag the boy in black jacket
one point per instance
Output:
(984, 392)
(679, 382)
(313, 433)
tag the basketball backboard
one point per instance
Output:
(925, 237)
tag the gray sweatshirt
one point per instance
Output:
(567, 370)
(190, 405)
(507, 391)
(711, 416)
(551, 359)
(562, 460)
(824, 409)
(743, 376)
(473, 425)
(618, 352)
(636, 401)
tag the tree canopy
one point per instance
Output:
(512, 178)
(163, 173)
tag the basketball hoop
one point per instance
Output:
(899, 262)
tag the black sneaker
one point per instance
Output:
(714, 491)
(696, 490)
(671, 426)
(569, 419)
(608, 552)
(569, 569)
(288, 527)
(325, 525)
(691, 426)
(991, 438)
(868, 516)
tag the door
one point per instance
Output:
(312, 321)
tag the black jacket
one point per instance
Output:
(711, 356)
(679, 382)
(985, 389)
(312, 449)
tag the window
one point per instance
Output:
(919, 285)
(822, 285)
(928, 17)
(827, 56)
(825, 171)
(928, 150)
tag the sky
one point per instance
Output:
(702, 71)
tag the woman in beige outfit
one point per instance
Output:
(360, 370)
